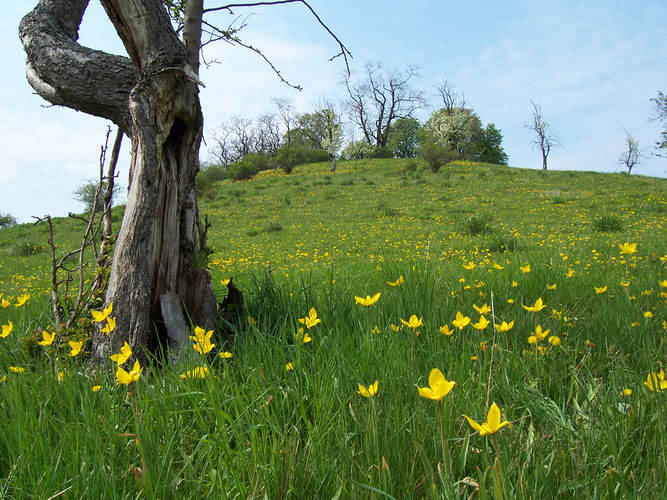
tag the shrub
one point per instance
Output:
(7, 220)
(503, 243)
(24, 249)
(208, 176)
(477, 224)
(435, 154)
(385, 210)
(287, 158)
(357, 150)
(608, 224)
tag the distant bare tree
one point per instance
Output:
(545, 139)
(633, 154)
(450, 99)
(267, 134)
(221, 152)
(288, 116)
(380, 99)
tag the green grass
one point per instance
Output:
(253, 429)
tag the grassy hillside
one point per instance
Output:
(284, 418)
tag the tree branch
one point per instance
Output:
(65, 73)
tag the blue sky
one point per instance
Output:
(593, 66)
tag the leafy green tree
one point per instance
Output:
(490, 146)
(86, 194)
(660, 105)
(404, 138)
(7, 220)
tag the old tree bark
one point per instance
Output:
(153, 97)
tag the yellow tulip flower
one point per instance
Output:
(289, 367)
(111, 326)
(123, 377)
(601, 289)
(21, 300)
(75, 348)
(16, 369)
(4, 303)
(225, 355)
(504, 327)
(368, 301)
(461, 321)
(493, 422)
(445, 330)
(371, 391)
(303, 336)
(628, 248)
(485, 309)
(656, 381)
(569, 273)
(438, 387)
(310, 320)
(47, 338)
(96, 388)
(498, 266)
(99, 316)
(413, 322)
(123, 356)
(482, 323)
(198, 372)
(539, 305)
(398, 282)
(469, 266)
(525, 269)
(202, 340)
(7, 329)
(538, 335)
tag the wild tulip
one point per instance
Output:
(123, 356)
(47, 338)
(438, 386)
(461, 321)
(125, 378)
(493, 422)
(99, 316)
(7, 329)
(368, 301)
(369, 392)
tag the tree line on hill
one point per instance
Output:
(380, 108)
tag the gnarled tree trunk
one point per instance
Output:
(153, 97)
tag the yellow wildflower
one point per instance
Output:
(493, 422)
(47, 338)
(438, 387)
(75, 348)
(21, 300)
(7, 329)
(445, 330)
(123, 356)
(461, 321)
(398, 282)
(123, 377)
(372, 390)
(368, 301)
(310, 320)
(99, 316)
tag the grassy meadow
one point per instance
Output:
(567, 269)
